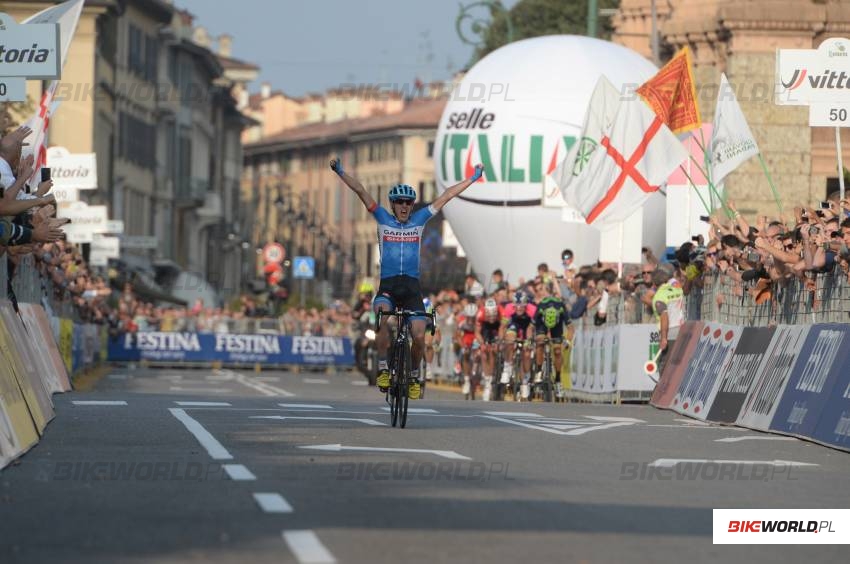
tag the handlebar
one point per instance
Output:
(406, 314)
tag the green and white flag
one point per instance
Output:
(732, 142)
(600, 114)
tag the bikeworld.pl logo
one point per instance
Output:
(780, 527)
(828, 80)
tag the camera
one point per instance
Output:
(814, 230)
(824, 205)
(753, 257)
(45, 174)
(704, 218)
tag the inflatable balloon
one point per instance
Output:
(517, 112)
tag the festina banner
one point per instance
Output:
(732, 142)
(231, 349)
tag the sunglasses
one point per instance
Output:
(405, 202)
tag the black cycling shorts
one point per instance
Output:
(401, 291)
(556, 332)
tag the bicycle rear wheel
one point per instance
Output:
(405, 362)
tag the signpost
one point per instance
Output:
(303, 268)
(818, 78)
(86, 221)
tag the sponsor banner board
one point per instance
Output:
(740, 373)
(231, 348)
(699, 384)
(813, 379)
(677, 364)
(772, 376)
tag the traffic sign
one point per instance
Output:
(304, 267)
(274, 252)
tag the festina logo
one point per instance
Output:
(32, 55)
(163, 341)
(258, 344)
(317, 345)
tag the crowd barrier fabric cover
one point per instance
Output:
(230, 349)
(772, 376)
(824, 359)
(19, 356)
(611, 359)
(698, 387)
(677, 364)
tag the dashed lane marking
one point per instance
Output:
(99, 402)
(202, 403)
(307, 547)
(307, 405)
(272, 503)
(215, 449)
(238, 472)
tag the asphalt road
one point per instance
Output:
(154, 480)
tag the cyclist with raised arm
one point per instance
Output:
(399, 242)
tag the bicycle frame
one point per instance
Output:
(400, 361)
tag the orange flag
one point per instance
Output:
(671, 93)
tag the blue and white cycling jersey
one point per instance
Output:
(399, 243)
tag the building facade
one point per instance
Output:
(290, 195)
(144, 89)
(741, 39)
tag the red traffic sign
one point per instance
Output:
(274, 252)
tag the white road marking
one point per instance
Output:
(200, 390)
(450, 454)
(315, 381)
(710, 427)
(267, 378)
(272, 503)
(371, 422)
(99, 402)
(359, 383)
(671, 462)
(262, 387)
(118, 376)
(753, 438)
(615, 419)
(692, 421)
(307, 405)
(307, 547)
(512, 414)
(203, 403)
(215, 449)
(554, 426)
(238, 473)
(415, 410)
(219, 377)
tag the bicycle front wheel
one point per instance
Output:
(404, 364)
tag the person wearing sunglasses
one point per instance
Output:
(399, 240)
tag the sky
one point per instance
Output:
(312, 45)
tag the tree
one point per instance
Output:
(534, 18)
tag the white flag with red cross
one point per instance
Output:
(635, 157)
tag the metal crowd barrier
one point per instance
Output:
(822, 297)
